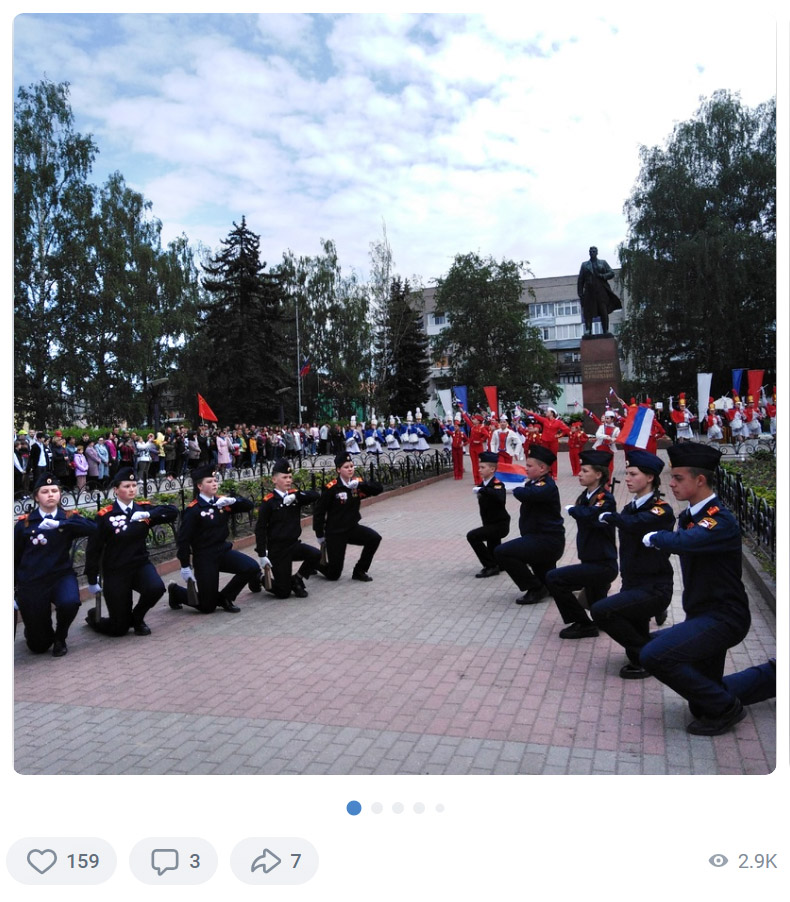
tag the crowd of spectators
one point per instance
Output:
(81, 461)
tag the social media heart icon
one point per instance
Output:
(41, 860)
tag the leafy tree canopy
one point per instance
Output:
(489, 340)
(700, 258)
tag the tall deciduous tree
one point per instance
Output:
(401, 349)
(699, 262)
(238, 357)
(334, 331)
(489, 340)
(53, 205)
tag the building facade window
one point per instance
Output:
(568, 308)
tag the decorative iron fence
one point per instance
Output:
(756, 517)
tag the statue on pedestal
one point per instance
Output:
(596, 296)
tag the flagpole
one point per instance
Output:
(298, 364)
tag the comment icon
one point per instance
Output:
(163, 860)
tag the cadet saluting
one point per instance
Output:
(118, 549)
(336, 520)
(689, 657)
(278, 532)
(203, 536)
(43, 574)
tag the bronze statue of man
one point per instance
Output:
(596, 296)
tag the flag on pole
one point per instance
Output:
(459, 394)
(305, 368)
(492, 396)
(754, 379)
(512, 474)
(637, 427)
(446, 400)
(204, 411)
(737, 376)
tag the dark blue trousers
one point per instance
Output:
(118, 587)
(207, 568)
(689, 658)
(527, 559)
(35, 601)
(626, 615)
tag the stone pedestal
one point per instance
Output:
(600, 372)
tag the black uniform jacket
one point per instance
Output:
(205, 527)
(709, 545)
(337, 510)
(540, 508)
(595, 541)
(492, 499)
(45, 553)
(640, 566)
(121, 542)
(278, 523)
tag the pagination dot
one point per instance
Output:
(353, 808)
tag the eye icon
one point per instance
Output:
(718, 861)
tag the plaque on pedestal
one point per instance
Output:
(600, 372)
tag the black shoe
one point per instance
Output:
(715, 726)
(634, 672)
(361, 576)
(142, 629)
(533, 596)
(90, 618)
(171, 597)
(488, 571)
(59, 649)
(661, 618)
(299, 591)
(227, 605)
(579, 631)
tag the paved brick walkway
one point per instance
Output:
(424, 670)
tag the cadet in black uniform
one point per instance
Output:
(689, 657)
(646, 574)
(43, 575)
(118, 551)
(336, 520)
(203, 536)
(595, 546)
(492, 498)
(542, 541)
(278, 532)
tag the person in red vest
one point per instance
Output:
(478, 441)
(458, 440)
(770, 412)
(713, 423)
(552, 428)
(577, 439)
(656, 430)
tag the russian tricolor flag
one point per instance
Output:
(512, 475)
(637, 427)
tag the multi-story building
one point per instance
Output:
(555, 310)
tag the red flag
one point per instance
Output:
(755, 383)
(492, 396)
(204, 411)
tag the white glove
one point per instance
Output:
(353, 484)
(49, 523)
(225, 501)
(568, 507)
(140, 515)
(646, 539)
(94, 589)
(289, 500)
(264, 562)
(186, 573)
(602, 517)
(477, 488)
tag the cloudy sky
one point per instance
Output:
(515, 135)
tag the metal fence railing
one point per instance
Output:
(755, 515)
